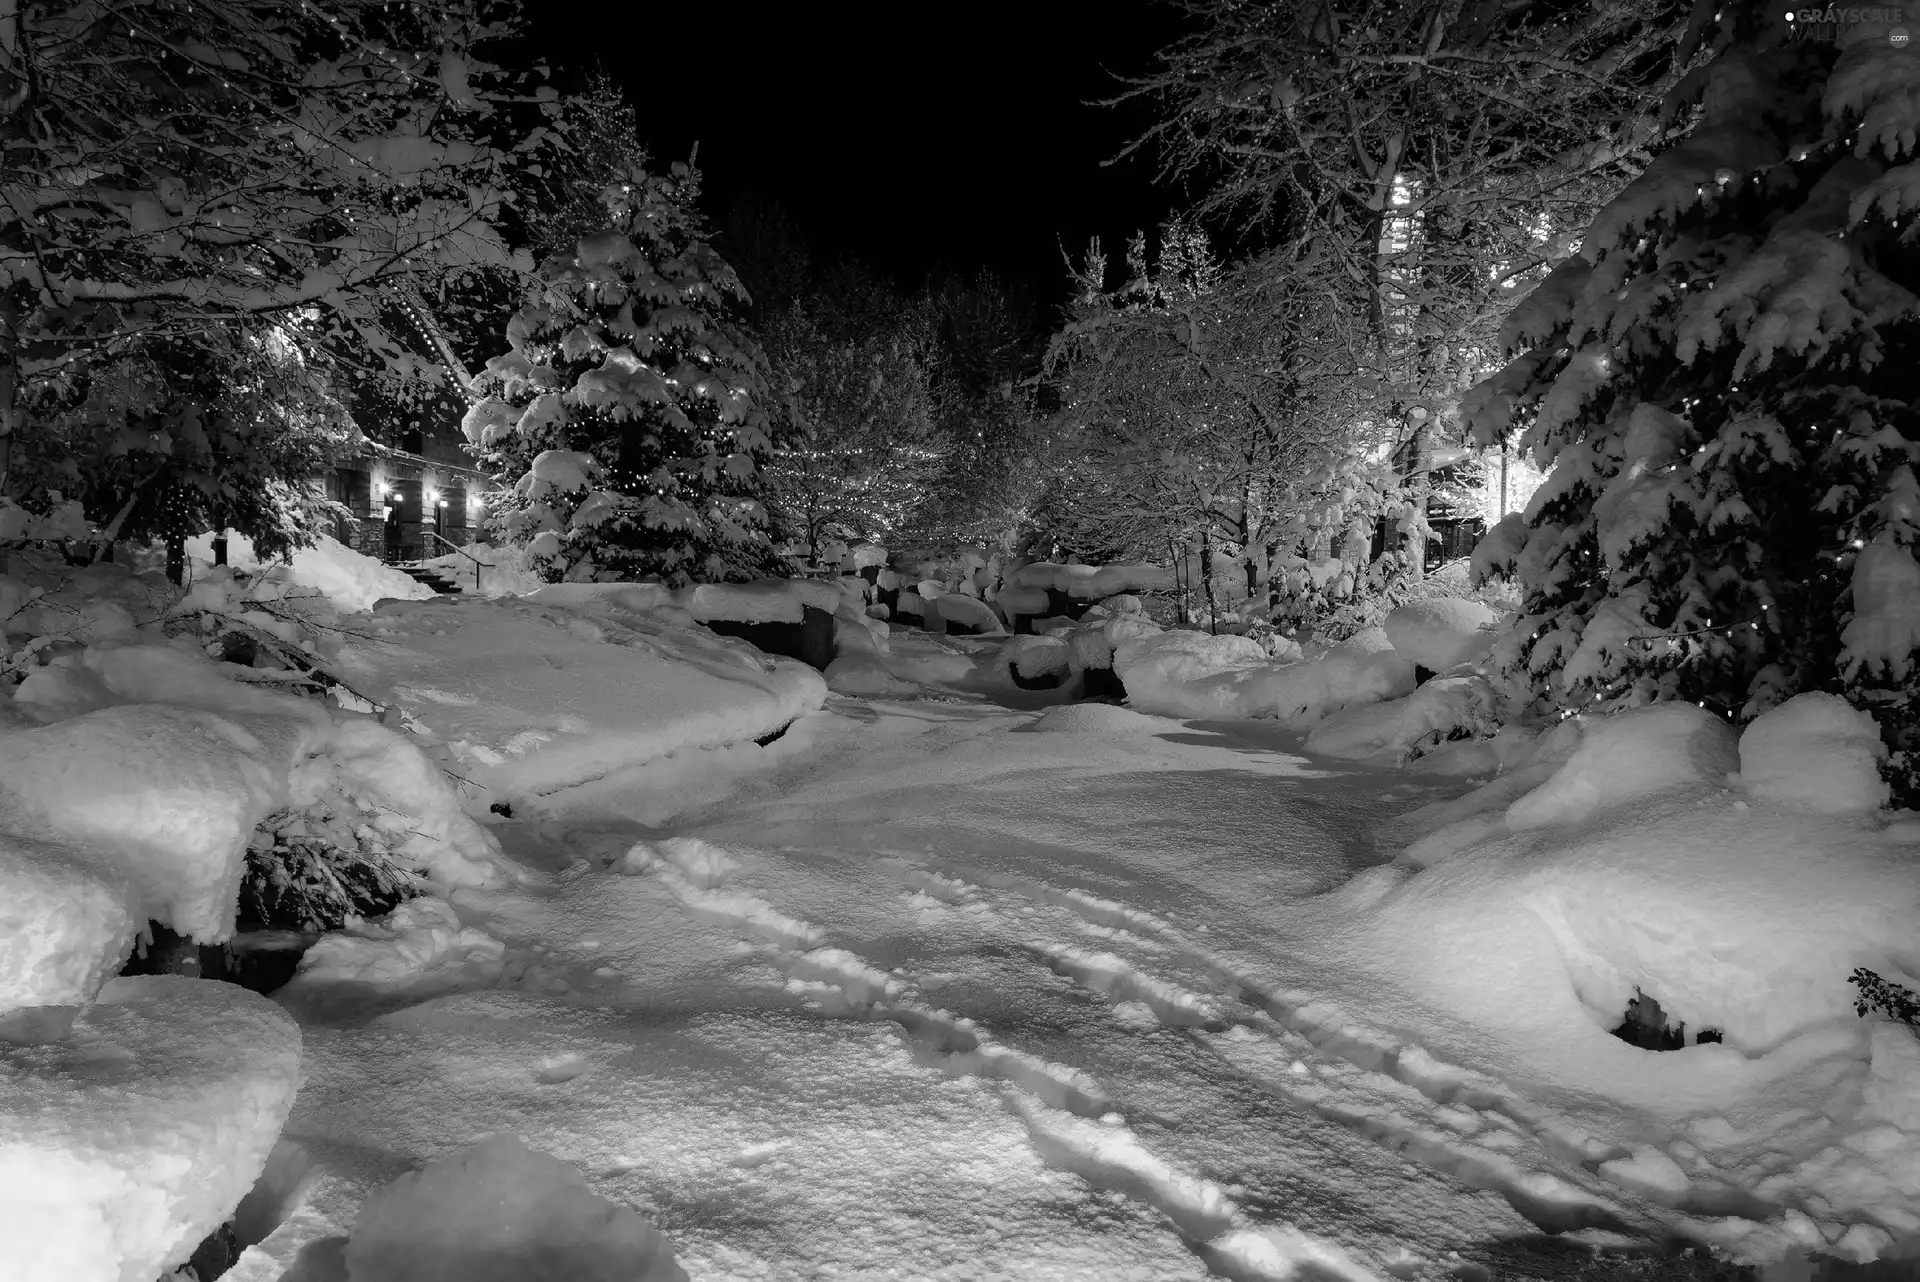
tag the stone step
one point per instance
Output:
(431, 577)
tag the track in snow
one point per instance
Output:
(1155, 976)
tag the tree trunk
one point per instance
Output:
(176, 559)
(1206, 579)
(1419, 486)
(1179, 589)
(220, 549)
(9, 391)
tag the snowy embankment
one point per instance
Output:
(1092, 995)
(1648, 868)
(1358, 697)
(578, 684)
(156, 735)
(134, 771)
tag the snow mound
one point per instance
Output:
(1741, 920)
(533, 695)
(65, 927)
(497, 1211)
(421, 939)
(1442, 632)
(866, 676)
(1402, 729)
(502, 571)
(762, 601)
(176, 673)
(428, 827)
(1815, 752)
(167, 796)
(1103, 629)
(1190, 674)
(1630, 756)
(1103, 719)
(126, 1141)
(351, 580)
(1035, 656)
(964, 610)
(1092, 582)
(1023, 600)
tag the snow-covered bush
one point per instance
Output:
(1720, 383)
(631, 420)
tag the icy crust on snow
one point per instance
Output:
(530, 696)
(1092, 582)
(1192, 674)
(127, 1141)
(66, 925)
(497, 1211)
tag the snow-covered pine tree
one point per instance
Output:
(1722, 380)
(631, 421)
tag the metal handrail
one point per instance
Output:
(478, 564)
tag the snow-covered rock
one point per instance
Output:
(497, 1211)
(1441, 632)
(1092, 582)
(1101, 632)
(965, 610)
(66, 924)
(129, 1138)
(537, 694)
(1035, 656)
(1029, 601)
(1190, 674)
(164, 796)
(1815, 752)
(1628, 757)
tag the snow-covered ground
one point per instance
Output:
(951, 979)
(975, 993)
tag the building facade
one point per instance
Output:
(410, 504)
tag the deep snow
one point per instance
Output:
(939, 987)
(967, 992)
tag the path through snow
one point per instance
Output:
(953, 999)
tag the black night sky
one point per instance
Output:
(914, 139)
